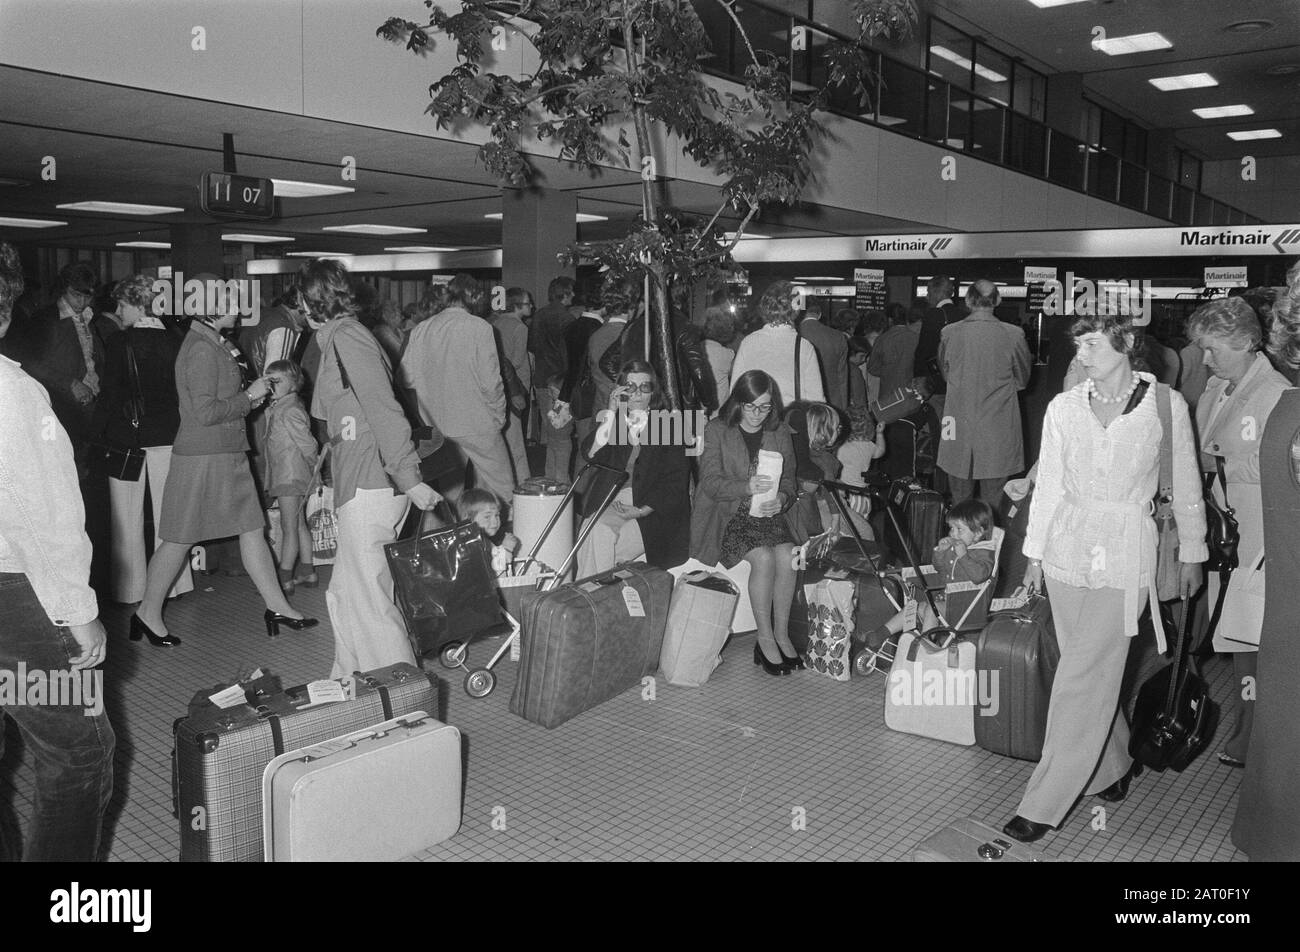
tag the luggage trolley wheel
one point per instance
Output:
(865, 662)
(452, 654)
(480, 682)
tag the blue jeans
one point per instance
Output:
(73, 751)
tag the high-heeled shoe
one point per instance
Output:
(140, 630)
(769, 667)
(794, 664)
(274, 620)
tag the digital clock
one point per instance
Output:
(237, 196)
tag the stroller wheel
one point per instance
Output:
(452, 654)
(865, 662)
(479, 683)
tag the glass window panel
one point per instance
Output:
(1158, 196)
(1132, 185)
(992, 74)
(718, 27)
(1026, 145)
(1112, 132)
(949, 54)
(903, 97)
(1065, 161)
(1103, 175)
(1182, 208)
(987, 129)
(937, 113)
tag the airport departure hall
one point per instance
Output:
(679, 430)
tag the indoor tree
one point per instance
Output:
(607, 66)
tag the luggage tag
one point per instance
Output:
(325, 692)
(909, 614)
(232, 696)
(1008, 604)
(632, 599)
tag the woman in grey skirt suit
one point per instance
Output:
(210, 492)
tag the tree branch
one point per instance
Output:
(727, 5)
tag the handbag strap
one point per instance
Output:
(798, 361)
(133, 372)
(1223, 482)
(1165, 413)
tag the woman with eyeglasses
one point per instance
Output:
(650, 516)
(722, 529)
(210, 492)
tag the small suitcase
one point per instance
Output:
(588, 641)
(932, 690)
(970, 841)
(699, 623)
(372, 796)
(921, 512)
(1016, 654)
(220, 755)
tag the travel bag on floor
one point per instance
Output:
(1016, 654)
(878, 600)
(221, 753)
(588, 641)
(970, 841)
(832, 607)
(921, 512)
(932, 689)
(370, 796)
(699, 623)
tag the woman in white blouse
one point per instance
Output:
(1091, 532)
(772, 347)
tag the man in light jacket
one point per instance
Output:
(452, 365)
(985, 363)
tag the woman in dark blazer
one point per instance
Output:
(650, 517)
(210, 492)
(722, 529)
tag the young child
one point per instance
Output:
(484, 510)
(866, 443)
(966, 554)
(291, 453)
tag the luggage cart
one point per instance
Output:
(480, 682)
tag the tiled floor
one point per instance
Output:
(748, 767)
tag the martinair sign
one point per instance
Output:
(1231, 240)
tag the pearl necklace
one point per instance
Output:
(1122, 398)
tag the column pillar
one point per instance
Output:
(537, 225)
(196, 248)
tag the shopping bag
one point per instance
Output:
(832, 607)
(444, 586)
(323, 524)
(699, 623)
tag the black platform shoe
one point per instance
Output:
(274, 620)
(1118, 790)
(794, 664)
(140, 630)
(1026, 831)
(769, 667)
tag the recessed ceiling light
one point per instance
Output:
(289, 188)
(1223, 112)
(816, 277)
(14, 183)
(425, 248)
(318, 254)
(1134, 43)
(144, 244)
(580, 217)
(30, 223)
(1283, 69)
(120, 208)
(1255, 134)
(730, 235)
(1048, 4)
(1186, 81)
(375, 229)
(944, 53)
(256, 239)
(1249, 26)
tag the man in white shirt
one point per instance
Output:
(49, 624)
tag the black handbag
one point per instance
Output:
(1222, 534)
(1175, 717)
(119, 462)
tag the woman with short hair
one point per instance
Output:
(1241, 392)
(771, 348)
(722, 529)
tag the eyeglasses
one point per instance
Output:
(646, 388)
(762, 409)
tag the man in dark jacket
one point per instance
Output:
(550, 360)
(941, 311)
(833, 351)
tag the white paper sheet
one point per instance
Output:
(769, 464)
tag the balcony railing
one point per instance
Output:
(911, 102)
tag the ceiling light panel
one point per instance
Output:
(1134, 43)
(1224, 112)
(1250, 134)
(375, 229)
(120, 208)
(290, 188)
(30, 223)
(1185, 81)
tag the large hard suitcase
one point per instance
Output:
(220, 754)
(921, 512)
(1016, 654)
(699, 623)
(970, 841)
(933, 690)
(588, 641)
(374, 795)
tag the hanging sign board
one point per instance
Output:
(870, 289)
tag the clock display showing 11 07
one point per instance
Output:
(226, 195)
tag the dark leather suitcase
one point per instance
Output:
(585, 642)
(1019, 648)
(921, 512)
(221, 753)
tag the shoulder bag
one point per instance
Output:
(1167, 565)
(127, 463)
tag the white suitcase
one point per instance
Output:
(374, 795)
(933, 693)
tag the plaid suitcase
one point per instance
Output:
(220, 755)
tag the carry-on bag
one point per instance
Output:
(921, 513)
(699, 623)
(374, 795)
(589, 641)
(1016, 654)
(1175, 717)
(832, 609)
(444, 585)
(970, 841)
(932, 689)
(878, 598)
(220, 754)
